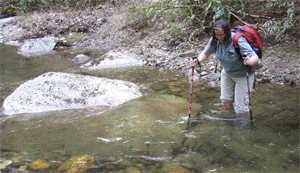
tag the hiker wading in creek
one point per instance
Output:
(234, 88)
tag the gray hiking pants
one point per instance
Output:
(236, 90)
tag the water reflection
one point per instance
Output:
(151, 133)
(15, 67)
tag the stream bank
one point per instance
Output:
(108, 27)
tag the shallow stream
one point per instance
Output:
(151, 133)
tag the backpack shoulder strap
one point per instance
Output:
(235, 42)
(239, 31)
(235, 39)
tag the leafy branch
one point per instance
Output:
(280, 26)
(189, 18)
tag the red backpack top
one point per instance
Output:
(252, 36)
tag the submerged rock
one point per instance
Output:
(4, 163)
(39, 165)
(56, 91)
(20, 158)
(77, 164)
(174, 168)
(153, 121)
(133, 170)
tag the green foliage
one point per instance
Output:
(215, 10)
(28, 5)
(279, 27)
(9, 11)
(189, 17)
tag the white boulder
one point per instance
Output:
(80, 58)
(56, 91)
(36, 47)
(115, 58)
(5, 20)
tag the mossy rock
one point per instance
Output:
(77, 164)
(39, 165)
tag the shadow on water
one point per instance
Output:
(152, 133)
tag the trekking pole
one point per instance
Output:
(191, 93)
(249, 94)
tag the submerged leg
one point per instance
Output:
(227, 91)
(228, 105)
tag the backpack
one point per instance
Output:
(254, 39)
(252, 36)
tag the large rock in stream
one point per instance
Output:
(36, 47)
(5, 20)
(56, 91)
(115, 59)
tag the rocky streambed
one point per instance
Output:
(58, 161)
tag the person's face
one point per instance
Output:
(220, 35)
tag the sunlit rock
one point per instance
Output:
(13, 43)
(81, 58)
(115, 58)
(24, 168)
(2, 22)
(39, 46)
(5, 20)
(77, 164)
(4, 163)
(57, 91)
(39, 165)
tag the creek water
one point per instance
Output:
(151, 132)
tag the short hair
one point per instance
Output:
(221, 24)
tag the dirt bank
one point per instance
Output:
(108, 27)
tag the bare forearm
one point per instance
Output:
(203, 56)
(251, 61)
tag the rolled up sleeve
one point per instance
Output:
(245, 48)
